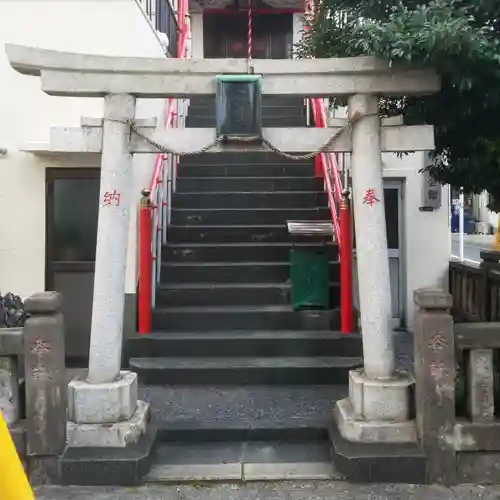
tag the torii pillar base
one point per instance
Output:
(377, 411)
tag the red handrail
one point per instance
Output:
(154, 215)
(342, 223)
(329, 170)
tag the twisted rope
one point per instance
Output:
(247, 139)
(249, 37)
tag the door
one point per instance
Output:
(225, 36)
(72, 205)
(393, 196)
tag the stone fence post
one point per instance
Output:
(489, 262)
(44, 359)
(435, 383)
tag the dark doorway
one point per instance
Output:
(225, 36)
(72, 205)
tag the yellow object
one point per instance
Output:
(14, 484)
(497, 240)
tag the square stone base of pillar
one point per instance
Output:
(374, 399)
(106, 403)
(114, 435)
(354, 428)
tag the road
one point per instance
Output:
(291, 490)
(473, 244)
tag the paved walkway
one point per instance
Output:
(274, 491)
(473, 244)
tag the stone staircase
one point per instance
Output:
(242, 386)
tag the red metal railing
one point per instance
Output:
(340, 211)
(155, 208)
(326, 165)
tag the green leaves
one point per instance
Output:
(461, 40)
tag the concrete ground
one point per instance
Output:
(473, 244)
(274, 491)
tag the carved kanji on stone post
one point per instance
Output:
(435, 383)
(44, 364)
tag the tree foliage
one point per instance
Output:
(458, 38)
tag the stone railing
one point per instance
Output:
(476, 289)
(33, 386)
(456, 404)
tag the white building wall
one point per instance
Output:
(108, 27)
(197, 35)
(426, 245)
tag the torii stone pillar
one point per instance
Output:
(371, 238)
(378, 407)
(109, 395)
(112, 238)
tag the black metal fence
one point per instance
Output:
(162, 16)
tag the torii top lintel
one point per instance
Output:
(83, 75)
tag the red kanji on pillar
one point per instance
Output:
(370, 197)
(111, 198)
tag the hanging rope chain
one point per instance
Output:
(249, 38)
(245, 139)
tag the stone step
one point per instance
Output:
(208, 109)
(206, 319)
(240, 252)
(199, 121)
(238, 234)
(241, 461)
(244, 370)
(231, 294)
(252, 184)
(234, 344)
(232, 272)
(201, 413)
(213, 169)
(234, 217)
(295, 199)
(244, 158)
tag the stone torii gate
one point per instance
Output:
(377, 409)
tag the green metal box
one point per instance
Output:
(310, 277)
(238, 106)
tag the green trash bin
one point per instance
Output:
(310, 277)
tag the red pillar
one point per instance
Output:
(318, 167)
(145, 262)
(346, 292)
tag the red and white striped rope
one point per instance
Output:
(249, 35)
